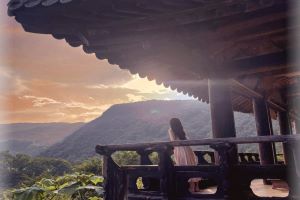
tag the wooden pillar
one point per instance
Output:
(285, 129)
(222, 117)
(166, 169)
(297, 126)
(262, 120)
(284, 123)
(115, 180)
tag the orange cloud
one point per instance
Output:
(45, 80)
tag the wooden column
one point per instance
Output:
(285, 129)
(263, 129)
(284, 123)
(272, 133)
(297, 126)
(222, 117)
(166, 169)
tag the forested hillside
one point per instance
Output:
(32, 138)
(144, 122)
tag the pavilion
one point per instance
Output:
(236, 55)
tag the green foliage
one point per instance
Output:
(46, 178)
(23, 170)
(154, 158)
(72, 186)
(92, 165)
(126, 158)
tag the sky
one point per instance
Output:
(46, 80)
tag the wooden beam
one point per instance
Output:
(253, 94)
(201, 142)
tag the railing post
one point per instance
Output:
(166, 168)
(144, 155)
(115, 180)
(230, 186)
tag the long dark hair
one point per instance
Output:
(177, 128)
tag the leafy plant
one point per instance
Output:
(71, 186)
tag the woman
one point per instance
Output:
(183, 155)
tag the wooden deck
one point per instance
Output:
(262, 190)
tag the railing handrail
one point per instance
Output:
(202, 142)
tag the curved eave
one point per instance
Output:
(193, 41)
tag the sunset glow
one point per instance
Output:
(46, 80)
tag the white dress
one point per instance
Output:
(184, 155)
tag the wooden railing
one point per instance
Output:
(244, 158)
(166, 181)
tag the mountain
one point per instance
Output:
(32, 138)
(143, 122)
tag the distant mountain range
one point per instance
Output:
(145, 122)
(33, 138)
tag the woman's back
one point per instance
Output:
(183, 155)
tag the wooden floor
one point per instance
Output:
(278, 189)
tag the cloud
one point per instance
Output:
(44, 80)
(66, 102)
(41, 101)
(145, 86)
(55, 101)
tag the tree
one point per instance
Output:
(92, 165)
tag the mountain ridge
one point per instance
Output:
(146, 121)
(32, 138)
